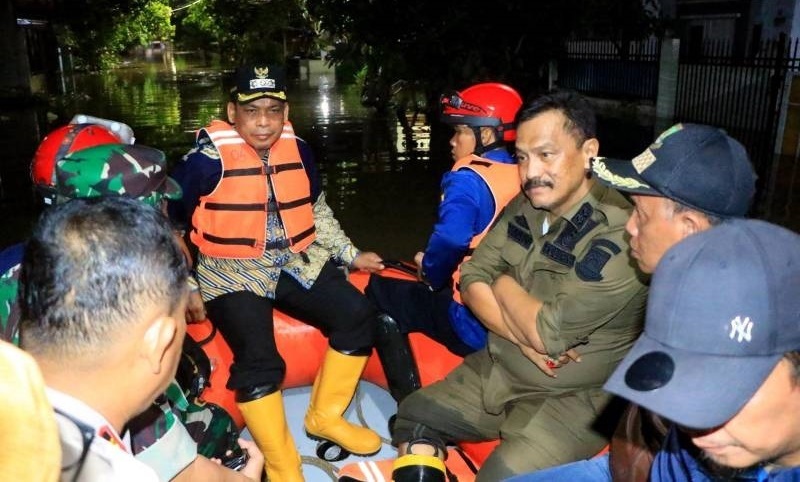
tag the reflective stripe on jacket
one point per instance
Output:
(230, 222)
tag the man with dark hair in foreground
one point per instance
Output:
(103, 292)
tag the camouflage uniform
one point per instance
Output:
(592, 298)
(115, 170)
(159, 436)
(9, 284)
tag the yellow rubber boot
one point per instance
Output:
(333, 390)
(266, 421)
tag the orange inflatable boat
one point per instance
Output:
(303, 348)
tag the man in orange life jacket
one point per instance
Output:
(266, 238)
(481, 182)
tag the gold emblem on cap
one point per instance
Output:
(261, 72)
(643, 160)
(648, 157)
(599, 167)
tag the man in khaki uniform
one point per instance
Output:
(552, 275)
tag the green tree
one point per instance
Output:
(241, 30)
(101, 31)
(448, 44)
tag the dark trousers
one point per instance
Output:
(417, 309)
(245, 320)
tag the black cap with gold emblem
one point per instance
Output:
(256, 81)
(697, 165)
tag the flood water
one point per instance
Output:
(383, 189)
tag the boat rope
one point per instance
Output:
(360, 414)
(323, 465)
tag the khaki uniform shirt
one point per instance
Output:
(107, 458)
(580, 269)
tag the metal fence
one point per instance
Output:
(717, 84)
(602, 68)
(740, 93)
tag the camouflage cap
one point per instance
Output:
(133, 171)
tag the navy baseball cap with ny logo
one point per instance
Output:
(723, 310)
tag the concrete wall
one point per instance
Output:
(775, 17)
(783, 198)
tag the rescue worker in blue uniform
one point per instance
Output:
(267, 238)
(481, 182)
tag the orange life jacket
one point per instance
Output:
(503, 182)
(230, 222)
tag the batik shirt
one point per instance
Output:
(198, 174)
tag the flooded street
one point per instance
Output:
(384, 194)
(383, 191)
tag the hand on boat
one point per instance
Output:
(418, 260)
(368, 261)
(195, 309)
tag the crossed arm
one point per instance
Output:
(502, 304)
(510, 312)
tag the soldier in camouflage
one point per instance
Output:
(176, 436)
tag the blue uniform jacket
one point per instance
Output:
(466, 209)
(674, 463)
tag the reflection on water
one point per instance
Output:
(381, 184)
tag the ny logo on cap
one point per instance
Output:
(742, 328)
